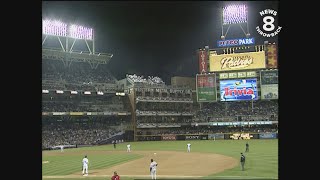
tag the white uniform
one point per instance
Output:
(128, 148)
(61, 147)
(85, 163)
(153, 172)
(189, 147)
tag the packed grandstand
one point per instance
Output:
(83, 106)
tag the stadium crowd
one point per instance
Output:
(79, 103)
(229, 111)
(77, 76)
(72, 132)
(210, 130)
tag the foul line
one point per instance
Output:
(160, 176)
(134, 176)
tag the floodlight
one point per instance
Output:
(59, 92)
(74, 92)
(80, 32)
(87, 92)
(235, 14)
(54, 27)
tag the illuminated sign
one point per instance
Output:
(206, 88)
(237, 61)
(237, 75)
(203, 65)
(235, 42)
(238, 89)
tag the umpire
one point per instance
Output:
(247, 147)
(242, 161)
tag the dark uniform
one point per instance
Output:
(247, 147)
(242, 161)
(114, 144)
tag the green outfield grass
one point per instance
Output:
(261, 161)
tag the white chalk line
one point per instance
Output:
(159, 176)
(134, 176)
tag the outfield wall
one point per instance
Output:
(216, 136)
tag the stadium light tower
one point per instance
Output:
(71, 32)
(234, 15)
(62, 30)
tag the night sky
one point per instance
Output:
(155, 38)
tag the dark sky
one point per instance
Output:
(155, 38)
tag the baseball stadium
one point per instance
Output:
(86, 111)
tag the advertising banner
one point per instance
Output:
(269, 91)
(224, 76)
(251, 74)
(193, 137)
(168, 137)
(267, 135)
(269, 77)
(254, 136)
(215, 136)
(204, 137)
(181, 137)
(203, 61)
(58, 113)
(122, 113)
(237, 61)
(238, 89)
(149, 138)
(241, 136)
(269, 84)
(206, 88)
(76, 113)
(237, 75)
(272, 58)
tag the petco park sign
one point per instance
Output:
(235, 42)
(238, 61)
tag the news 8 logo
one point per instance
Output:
(269, 26)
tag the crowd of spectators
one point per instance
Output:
(77, 76)
(79, 133)
(146, 98)
(178, 107)
(83, 104)
(164, 119)
(230, 111)
(211, 129)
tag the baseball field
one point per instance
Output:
(208, 159)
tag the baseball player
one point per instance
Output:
(242, 161)
(128, 148)
(189, 147)
(85, 163)
(247, 147)
(115, 176)
(114, 144)
(153, 169)
(61, 148)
